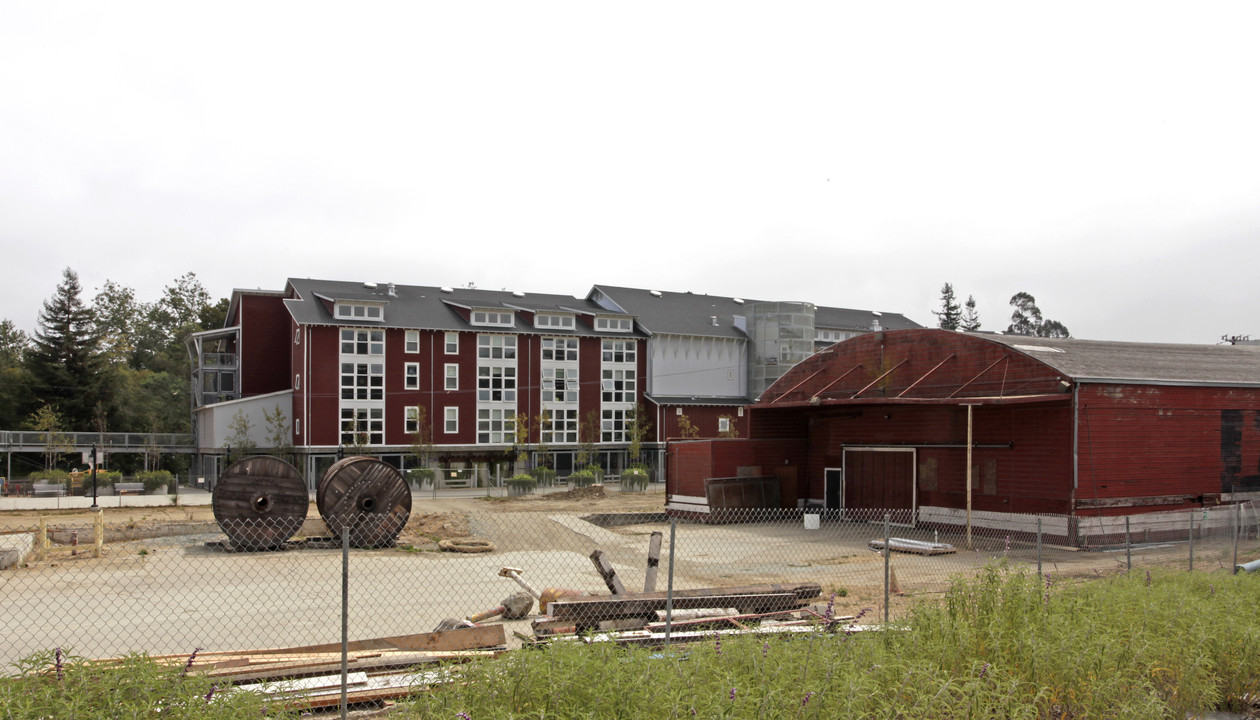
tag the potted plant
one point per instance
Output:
(156, 482)
(545, 476)
(635, 479)
(585, 477)
(420, 477)
(521, 484)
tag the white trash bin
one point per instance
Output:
(811, 521)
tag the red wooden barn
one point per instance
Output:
(1072, 429)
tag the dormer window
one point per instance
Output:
(359, 311)
(493, 318)
(614, 324)
(552, 321)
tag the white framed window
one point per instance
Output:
(450, 424)
(618, 386)
(411, 342)
(560, 349)
(619, 351)
(493, 318)
(614, 324)
(559, 385)
(612, 425)
(359, 311)
(741, 411)
(495, 426)
(452, 376)
(411, 376)
(548, 320)
(362, 342)
(362, 426)
(724, 424)
(297, 336)
(362, 381)
(452, 343)
(559, 426)
(496, 383)
(411, 419)
(496, 347)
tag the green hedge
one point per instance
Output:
(634, 479)
(521, 484)
(48, 476)
(545, 476)
(420, 477)
(585, 477)
(155, 479)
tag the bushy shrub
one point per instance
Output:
(420, 477)
(104, 478)
(585, 477)
(635, 479)
(53, 476)
(155, 479)
(521, 484)
(545, 476)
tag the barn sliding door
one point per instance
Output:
(880, 480)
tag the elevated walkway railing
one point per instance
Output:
(35, 441)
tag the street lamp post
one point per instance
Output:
(94, 505)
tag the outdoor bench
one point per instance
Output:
(48, 489)
(132, 488)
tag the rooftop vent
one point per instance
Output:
(713, 320)
(446, 290)
(738, 301)
(654, 293)
(391, 290)
(517, 293)
(875, 316)
(369, 285)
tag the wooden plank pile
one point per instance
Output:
(379, 669)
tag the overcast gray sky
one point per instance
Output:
(1103, 156)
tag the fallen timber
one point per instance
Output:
(588, 611)
(917, 547)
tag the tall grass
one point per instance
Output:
(1002, 645)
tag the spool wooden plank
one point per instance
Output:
(260, 502)
(367, 496)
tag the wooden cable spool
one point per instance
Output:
(260, 502)
(367, 496)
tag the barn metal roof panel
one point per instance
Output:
(1101, 360)
(850, 319)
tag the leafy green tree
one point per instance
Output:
(279, 438)
(179, 312)
(950, 314)
(422, 438)
(15, 381)
(686, 429)
(46, 420)
(14, 343)
(970, 318)
(638, 425)
(1026, 319)
(65, 360)
(588, 439)
(115, 314)
(240, 441)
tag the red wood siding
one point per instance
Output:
(1151, 441)
(324, 385)
(704, 418)
(266, 342)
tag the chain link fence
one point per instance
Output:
(105, 590)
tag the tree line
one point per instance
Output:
(107, 364)
(1026, 318)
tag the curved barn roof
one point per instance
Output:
(933, 366)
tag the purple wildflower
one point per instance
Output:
(732, 693)
(984, 670)
(211, 693)
(693, 711)
(717, 643)
(464, 716)
(808, 695)
(765, 649)
(1148, 578)
(1008, 543)
(60, 664)
(191, 658)
(831, 608)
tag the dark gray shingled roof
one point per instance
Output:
(1140, 362)
(431, 308)
(686, 313)
(849, 319)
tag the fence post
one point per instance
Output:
(41, 540)
(345, 614)
(1038, 546)
(669, 588)
(1191, 541)
(98, 535)
(1128, 546)
(1237, 531)
(887, 562)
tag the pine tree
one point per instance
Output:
(970, 318)
(65, 359)
(949, 314)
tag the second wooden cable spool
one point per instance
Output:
(260, 502)
(366, 495)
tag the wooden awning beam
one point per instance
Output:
(929, 372)
(981, 374)
(881, 377)
(827, 387)
(792, 389)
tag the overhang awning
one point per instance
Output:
(868, 401)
